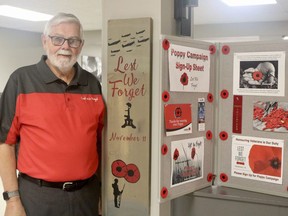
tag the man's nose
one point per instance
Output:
(66, 44)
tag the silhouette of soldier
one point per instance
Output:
(128, 120)
(117, 193)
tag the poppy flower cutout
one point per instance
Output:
(266, 160)
(176, 154)
(257, 75)
(133, 173)
(184, 79)
(119, 168)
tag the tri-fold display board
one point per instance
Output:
(224, 116)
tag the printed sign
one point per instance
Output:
(178, 119)
(187, 160)
(189, 69)
(257, 158)
(259, 73)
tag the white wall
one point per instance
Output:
(264, 30)
(19, 48)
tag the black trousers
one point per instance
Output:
(47, 201)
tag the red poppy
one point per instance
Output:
(184, 79)
(266, 160)
(178, 112)
(257, 75)
(258, 113)
(276, 118)
(176, 154)
(193, 153)
(119, 168)
(165, 44)
(133, 173)
(223, 177)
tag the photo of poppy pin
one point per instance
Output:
(257, 75)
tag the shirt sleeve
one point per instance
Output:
(8, 120)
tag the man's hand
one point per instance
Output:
(14, 207)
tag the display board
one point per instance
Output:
(187, 114)
(252, 117)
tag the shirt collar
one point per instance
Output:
(48, 76)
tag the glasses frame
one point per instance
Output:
(69, 40)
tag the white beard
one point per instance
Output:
(62, 63)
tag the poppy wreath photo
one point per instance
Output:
(266, 160)
(184, 79)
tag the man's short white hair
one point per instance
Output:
(62, 18)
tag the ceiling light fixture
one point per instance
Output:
(20, 13)
(248, 2)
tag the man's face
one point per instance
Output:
(62, 56)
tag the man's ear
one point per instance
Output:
(44, 40)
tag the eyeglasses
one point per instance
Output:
(59, 41)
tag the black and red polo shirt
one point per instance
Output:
(56, 124)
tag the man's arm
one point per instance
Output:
(8, 175)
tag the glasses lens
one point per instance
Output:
(75, 43)
(57, 41)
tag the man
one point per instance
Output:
(54, 110)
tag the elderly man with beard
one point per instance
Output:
(53, 111)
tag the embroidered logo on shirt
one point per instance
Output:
(95, 99)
